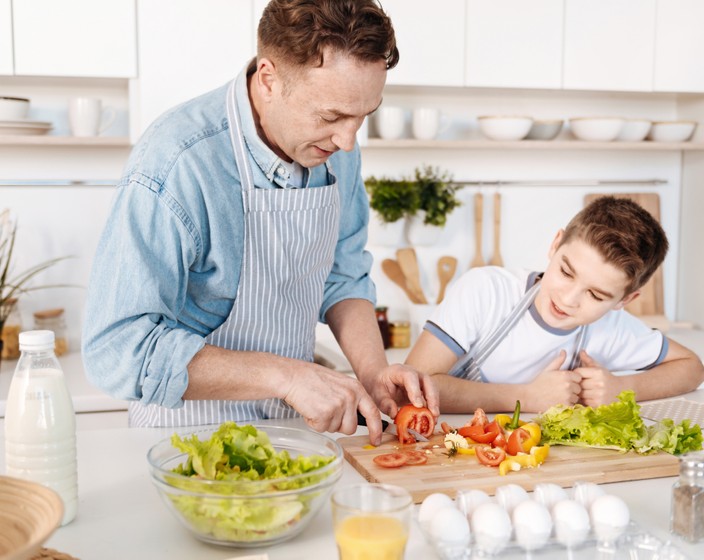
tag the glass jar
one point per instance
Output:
(400, 334)
(687, 513)
(383, 321)
(53, 320)
(10, 335)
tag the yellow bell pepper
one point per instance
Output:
(540, 453)
(536, 457)
(534, 430)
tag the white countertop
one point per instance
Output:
(121, 516)
(86, 397)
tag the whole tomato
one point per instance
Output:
(419, 419)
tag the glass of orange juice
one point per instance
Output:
(371, 521)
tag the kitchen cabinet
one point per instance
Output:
(609, 45)
(679, 44)
(6, 64)
(74, 38)
(430, 40)
(187, 47)
(513, 43)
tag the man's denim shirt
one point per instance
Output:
(168, 263)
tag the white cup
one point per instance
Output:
(85, 115)
(390, 122)
(426, 123)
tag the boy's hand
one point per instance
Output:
(553, 386)
(599, 385)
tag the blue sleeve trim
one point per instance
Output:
(663, 352)
(445, 338)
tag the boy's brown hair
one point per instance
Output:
(297, 32)
(626, 235)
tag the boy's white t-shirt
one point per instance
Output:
(482, 297)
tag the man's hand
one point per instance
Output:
(328, 401)
(598, 386)
(398, 384)
(552, 386)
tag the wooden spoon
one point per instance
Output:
(478, 260)
(496, 259)
(409, 265)
(446, 272)
(393, 270)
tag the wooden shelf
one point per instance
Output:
(377, 143)
(42, 140)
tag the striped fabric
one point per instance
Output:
(289, 249)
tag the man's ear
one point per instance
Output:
(556, 243)
(626, 300)
(266, 78)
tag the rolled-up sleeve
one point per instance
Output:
(349, 277)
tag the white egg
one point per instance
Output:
(571, 522)
(532, 524)
(610, 516)
(429, 507)
(468, 500)
(491, 527)
(586, 492)
(549, 494)
(510, 495)
(450, 526)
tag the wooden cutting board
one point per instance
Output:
(564, 466)
(650, 302)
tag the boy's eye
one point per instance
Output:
(596, 297)
(565, 272)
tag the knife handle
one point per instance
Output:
(362, 421)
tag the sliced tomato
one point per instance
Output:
(515, 441)
(446, 428)
(416, 457)
(481, 434)
(419, 419)
(391, 460)
(500, 441)
(491, 456)
(479, 418)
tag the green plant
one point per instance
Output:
(392, 199)
(12, 284)
(437, 194)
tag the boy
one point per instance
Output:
(556, 337)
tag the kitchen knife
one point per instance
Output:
(390, 428)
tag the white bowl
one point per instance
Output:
(545, 129)
(596, 129)
(672, 131)
(505, 128)
(13, 108)
(634, 130)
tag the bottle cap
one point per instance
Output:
(36, 340)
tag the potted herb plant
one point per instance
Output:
(13, 284)
(392, 201)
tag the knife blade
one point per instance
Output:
(390, 428)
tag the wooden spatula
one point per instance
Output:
(496, 259)
(409, 265)
(446, 272)
(393, 271)
(478, 259)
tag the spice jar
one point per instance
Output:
(10, 335)
(687, 514)
(400, 334)
(53, 320)
(383, 320)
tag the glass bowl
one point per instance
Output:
(248, 513)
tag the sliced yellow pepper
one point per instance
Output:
(536, 457)
(467, 450)
(534, 430)
(540, 453)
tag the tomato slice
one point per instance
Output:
(491, 456)
(391, 460)
(515, 441)
(500, 441)
(481, 434)
(419, 419)
(479, 418)
(416, 458)
(446, 428)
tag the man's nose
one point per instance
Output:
(346, 135)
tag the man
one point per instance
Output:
(240, 221)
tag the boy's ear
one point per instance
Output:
(626, 300)
(556, 243)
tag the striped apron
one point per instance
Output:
(469, 365)
(290, 236)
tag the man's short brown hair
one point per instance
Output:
(625, 234)
(297, 32)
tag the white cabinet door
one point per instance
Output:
(187, 47)
(609, 44)
(514, 43)
(430, 39)
(86, 38)
(679, 46)
(6, 65)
